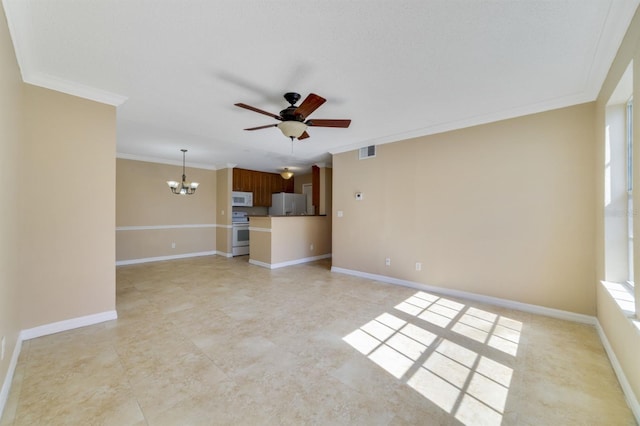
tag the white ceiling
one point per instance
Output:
(398, 69)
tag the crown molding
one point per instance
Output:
(515, 112)
(164, 161)
(75, 89)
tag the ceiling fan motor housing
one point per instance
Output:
(289, 114)
(292, 97)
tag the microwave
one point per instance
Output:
(244, 199)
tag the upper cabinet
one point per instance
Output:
(242, 180)
(262, 185)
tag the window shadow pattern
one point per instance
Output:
(457, 356)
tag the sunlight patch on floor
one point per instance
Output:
(466, 384)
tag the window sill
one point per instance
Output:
(623, 295)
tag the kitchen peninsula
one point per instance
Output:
(278, 241)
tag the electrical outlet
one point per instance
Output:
(340, 213)
(311, 247)
(2, 349)
(173, 245)
(418, 266)
(387, 261)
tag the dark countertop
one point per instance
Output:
(288, 215)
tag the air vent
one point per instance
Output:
(367, 152)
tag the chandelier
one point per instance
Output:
(184, 187)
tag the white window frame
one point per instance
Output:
(630, 208)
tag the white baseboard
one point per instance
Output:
(290, 262)
(510, 304)
(44, 330)
(161, 258)
(8, 378)
(258, 263)
(221, 253)
(70, 324)
(629, 395)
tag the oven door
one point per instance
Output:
(240, 234)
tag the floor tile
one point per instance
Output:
(217, 341)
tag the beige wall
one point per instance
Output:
(260, 239)
(67, 216)
(275, 240)
(326, 190)
(292, 238)
(143, 199)
(504, 210)
(622, 335)
(11, 110)
(301, 180)
(224, 233)
(57, 241)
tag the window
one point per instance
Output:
(618, 183)
(618, 204)
(630, 209)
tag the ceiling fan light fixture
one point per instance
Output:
(286, 174)
(292, 128)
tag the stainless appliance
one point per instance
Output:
(241, 199)
(240, 227)
(285, 203)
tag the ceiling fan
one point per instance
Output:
(293, 119)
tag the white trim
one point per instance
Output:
(224, 254)
(8, 378)
(631, 398)
(75, 89)
(256, 229)
(546, 105)
(157, 160)
(525, 307)
(148, 227)
(162, 258)
(621, 303)
(258, 263)
(289, 262)
(70, 324)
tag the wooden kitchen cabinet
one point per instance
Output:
(275, 183)
(262, 184)
(287, 185)
(242, 180)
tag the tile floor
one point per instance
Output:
(210, 341)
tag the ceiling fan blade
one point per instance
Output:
(328, 123)
(262, 127)
(310, 104)
(304, 135)
(250, 108)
